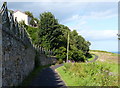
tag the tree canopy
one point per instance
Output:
(29, 14)
(52, 35)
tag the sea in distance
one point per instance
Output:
(116, 52)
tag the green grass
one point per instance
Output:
(30, 77)
(101, 51)
(89, 74)
(115, 54)
(112, 54)
(91, 59)
(66, 77)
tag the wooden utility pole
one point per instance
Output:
(67, 47)
(118, 36)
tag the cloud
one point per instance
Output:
(86, 22)
(61, 10)
(80, 24)
(101, 39)
(99, 35)
(92, 15)
(89, 30)
(103, 14)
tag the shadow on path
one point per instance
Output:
(49, 78)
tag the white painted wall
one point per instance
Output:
(21, 16)
(29, 19)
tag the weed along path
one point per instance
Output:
(48, 78)
(95, 58)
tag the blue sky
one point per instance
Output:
(97, 22)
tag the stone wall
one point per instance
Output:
(45, 57)
(0, 55)
(44, 60)
(16, 51)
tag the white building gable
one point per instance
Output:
(21, 17)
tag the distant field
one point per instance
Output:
(105, 52)
(100, 51)
(106, 56)
(103, 72)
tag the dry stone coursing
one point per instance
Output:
(44, 60)
(17, 53)
(17, 61)
(0, 56)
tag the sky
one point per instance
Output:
(97, 22)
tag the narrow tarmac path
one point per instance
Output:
(48, 78)
(96, 57)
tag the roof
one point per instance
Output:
(19, 11)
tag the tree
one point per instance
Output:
(78, 56)
(37, 21)
(53, 35)
(29, 14)
(49, 28)
(61, 53)
(32, 22)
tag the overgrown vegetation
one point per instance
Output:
(53, 36)
(91, 58)
(33, 32)
(33, 21)
(89, 74)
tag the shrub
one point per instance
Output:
(60, 61)
(78, 56)
(61, 53)
(88, 55)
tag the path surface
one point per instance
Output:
(96, 57)
(49, 78)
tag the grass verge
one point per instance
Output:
(88, 74)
